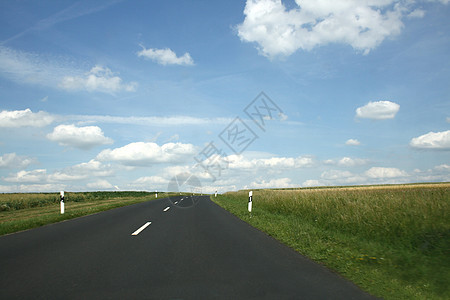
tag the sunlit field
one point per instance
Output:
(393, 241)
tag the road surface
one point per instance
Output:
(161, 249)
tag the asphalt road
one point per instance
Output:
(195, 252)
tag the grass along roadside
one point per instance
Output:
(25, 211)
(393, 241)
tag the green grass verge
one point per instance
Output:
(25, 211)
(392, 241)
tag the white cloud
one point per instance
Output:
(417, 13)
(351, 162)
(41, 180)
(272, 183)
(144, 154)
(98, 79)
(24, 118)
(280, 32)
(374, 175)
(151, 180)
(166, 57)
(34, 176)
(378, 110)
(149, 183)
(443, 167)
(346, 162)
(100, 184)
(311, 182)
(79, 137)
(335, 174)
(352, 142)
(12, 160)
(382, 173)
(240, 162)
(91, 169)
(32, 188)
(432, 140)
(282, 116)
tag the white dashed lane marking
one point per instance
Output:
(167, 208)
(142, 228)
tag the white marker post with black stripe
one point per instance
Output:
(61, 196)
(250, 195)
(156, 194)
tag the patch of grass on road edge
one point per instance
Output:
(393, 242)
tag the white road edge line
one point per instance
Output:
(167, 208)
(142, 228)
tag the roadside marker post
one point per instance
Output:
(250, 195)
(156, 194)
(215, 195)
(61, 196)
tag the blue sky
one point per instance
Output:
(125, 95)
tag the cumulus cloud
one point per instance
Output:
(40, 179)
(98, 79)
(335, 174)
(417, 13)
(432, 140)
(240, 162)
(351, 162)
(379, 110)
(150, 183)
(144, 154)
(166, 57)
(151, 180)
(352, 142)
(100, 184)
(311, 183)
(363, 25)
(374, 175)
(272, 183)
(24, 118)
(443, 167)
(34, 176)
(382, 173)
(79, 137)
(346, 162)
(32, 188)
(12, 160)
(81, 171)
